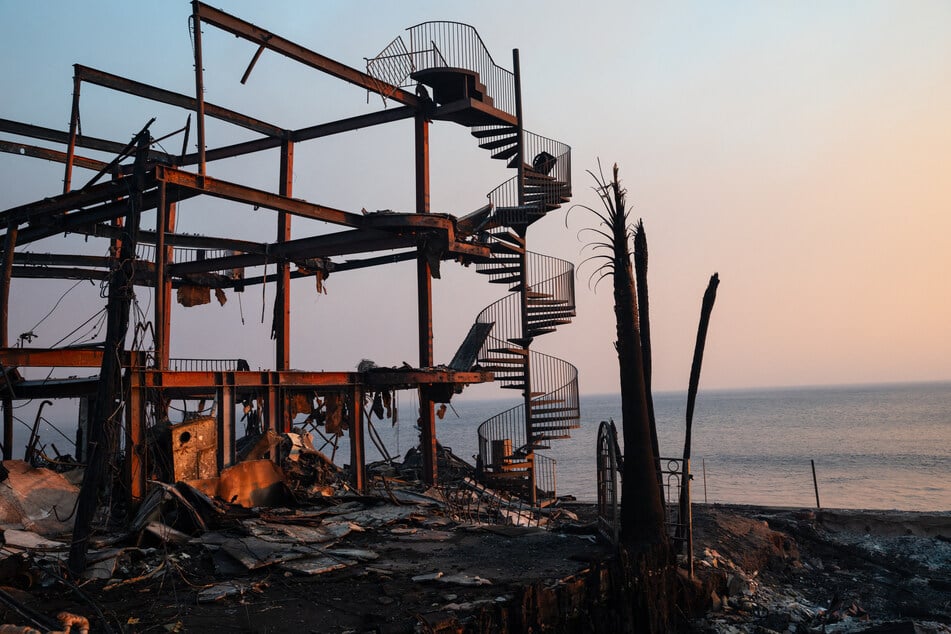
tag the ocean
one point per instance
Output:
(874, 447)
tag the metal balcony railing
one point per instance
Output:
(549, 161)
(439, 45)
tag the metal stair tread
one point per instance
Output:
(491, 132)
(506, 153)
(521, 351)
(500, 142)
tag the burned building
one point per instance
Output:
(437, 72)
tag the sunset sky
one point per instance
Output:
(802, 150)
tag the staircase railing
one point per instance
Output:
(558, 381)
(438, 45)
(556, 405)
(545, 481)
(508, 425)
(551, 275)
(547, 157)
(462, 47)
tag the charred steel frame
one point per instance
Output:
(156, 180)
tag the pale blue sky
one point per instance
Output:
(800, 149)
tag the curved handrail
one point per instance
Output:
(439, 44)
(537, 150)
(554, 381)
(461, 46)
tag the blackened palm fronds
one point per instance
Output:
(642, 513)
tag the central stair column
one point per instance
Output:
(424, 283)
(523, 289)
(527, 373)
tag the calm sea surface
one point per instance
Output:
(877, 447)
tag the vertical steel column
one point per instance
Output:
(199, 87)
(523, 265)
(282, 300)
(73, 124)
(135, 436)
(9, 246)
(160, 319)
(516, 70)
(424, 285)
(357, 454)
(273, 415)
(224, 394)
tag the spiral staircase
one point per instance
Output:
(457, 80)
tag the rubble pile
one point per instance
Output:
(817, 573)
(260, 529)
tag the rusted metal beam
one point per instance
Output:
(281, 329)
(199, 87)
(251, 196)
(137, 470)
(33, 151)
(259, 36)
(393, 379)
(162, 314)
(99, 193)
(6, 271)
(225, 397)
(91, 143)
(139, 89)
(73, 126)
(424, 297)
(58, 273)
(304, 134)
(353, 123)
(356, 241)
(87, 221)
(357, 450)
(58, 259)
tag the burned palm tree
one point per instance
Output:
(642, 510)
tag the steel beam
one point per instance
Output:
(135, 438)
(424, 296)
(304, 134)
(251, 196)
(282, 301)
(224, 393)
(139, 89)
(357, 450)
(278, 44)
(33, 151)
(92, 143)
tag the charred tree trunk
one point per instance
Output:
(642, 513)
(685, 509)
(644, 555)
(643, 313)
